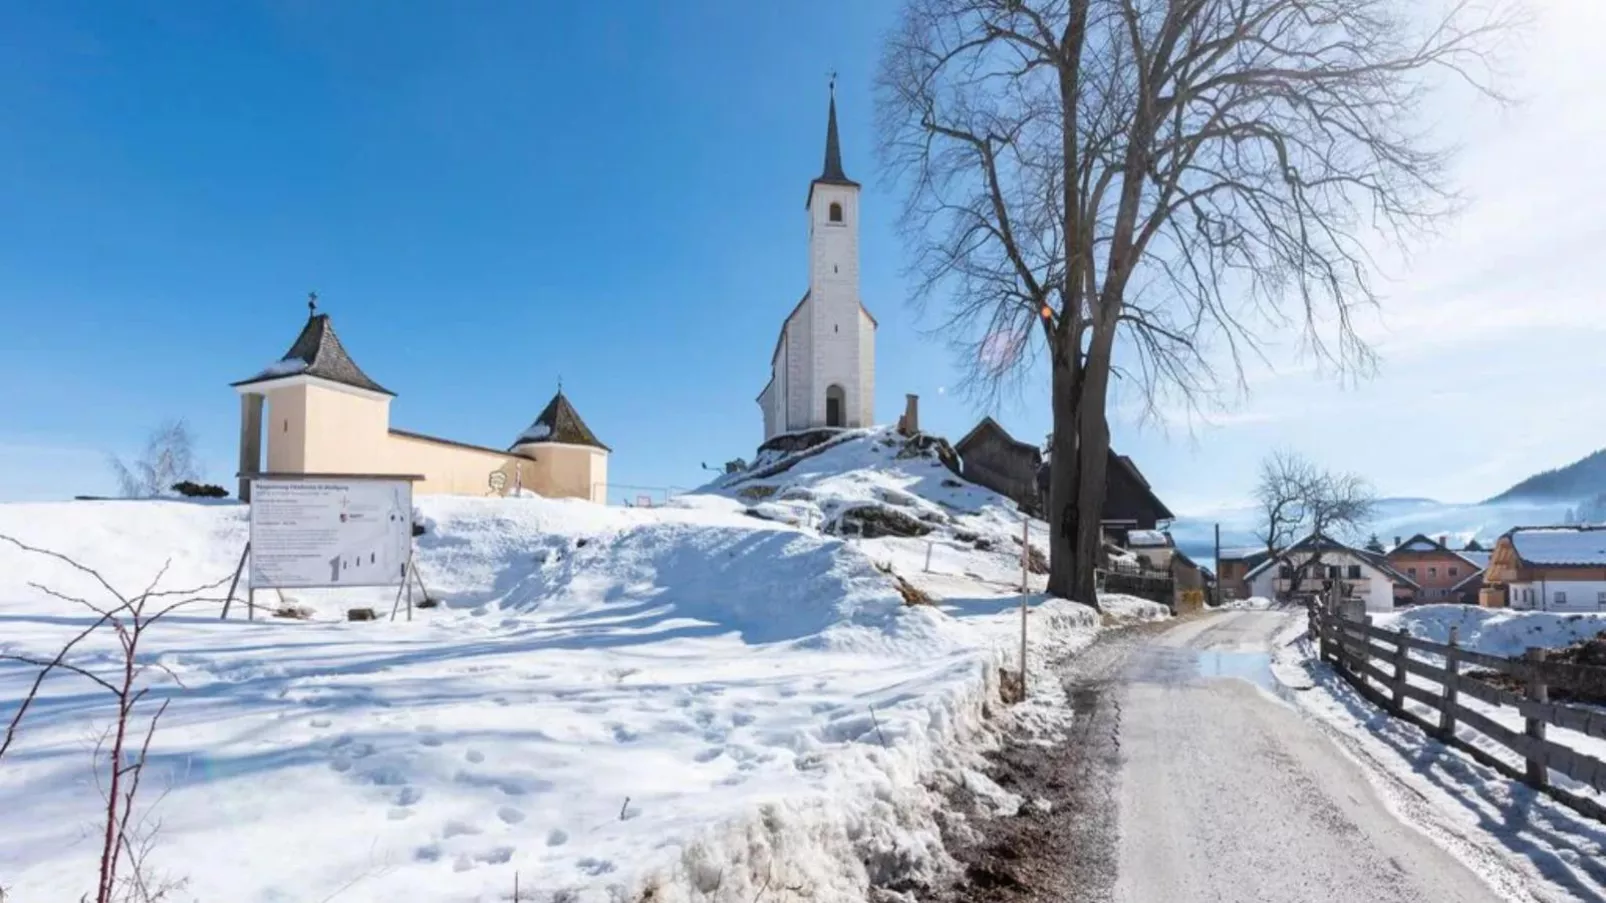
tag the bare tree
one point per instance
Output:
(1167, 181)
(169, 458)
(127, 831)
(1298, 501)
(1286, 484)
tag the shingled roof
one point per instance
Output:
(317, 352)
(559, 422)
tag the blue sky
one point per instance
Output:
(488, 196)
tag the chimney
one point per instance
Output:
(1396, 542)
(1444, 540)
(911, 414)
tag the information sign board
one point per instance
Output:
(330, 532)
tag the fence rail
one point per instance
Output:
(1379, 663)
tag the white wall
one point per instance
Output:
(834, 303)
(1582, 595)
(799, 376)
(866, 370)
(1374, 586)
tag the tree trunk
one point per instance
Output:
(1093, 450)
(1063, 479)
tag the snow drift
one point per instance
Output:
(688, 703)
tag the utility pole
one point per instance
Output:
(1217, 593)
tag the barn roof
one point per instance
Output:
(1560, 546)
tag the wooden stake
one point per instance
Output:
(1025, 558)
(238, 570)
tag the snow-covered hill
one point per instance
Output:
(698, 702)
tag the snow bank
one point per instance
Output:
(1253, 603)
(687, 703)
(1495, 631)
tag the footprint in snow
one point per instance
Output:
(622, 734)
(407, 796)
(398, 813)
(430, 736)
(709, 754)
(431, 853)
(557, 837)
(474, 756)
(495, 855)
(454, 828)
(593, 866)
(510, 815)
(320, 722)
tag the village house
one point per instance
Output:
(1232, 569)
(319, 413)
(1548, 569)
(1438, 572)
(989, 456)
(1318, 561)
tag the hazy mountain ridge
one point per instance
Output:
(1583, 480)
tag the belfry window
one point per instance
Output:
(836, 212)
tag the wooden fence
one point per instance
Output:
(1377, 662)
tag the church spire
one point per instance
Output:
(832, 174)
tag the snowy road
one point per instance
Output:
(1226, 795)
(1185, 779)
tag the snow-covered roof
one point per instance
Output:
(1560, 545)
(1142, 539)
(1478, 559)
(317, 351)
(559, 422)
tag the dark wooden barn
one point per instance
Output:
(989, 456)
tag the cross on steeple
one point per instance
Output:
(312, 304)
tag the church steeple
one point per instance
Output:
(832, 174)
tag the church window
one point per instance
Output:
(836, 212)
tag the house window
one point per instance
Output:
(1561, 597)
(1410, 572)
(1333, 572)
(1433, 572)
(836, 212)
(1600, 599)
(1354, 572)
(1453, 572)
(1285, 572)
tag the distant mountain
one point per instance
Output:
(1583, 479)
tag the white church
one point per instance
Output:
(822, 372)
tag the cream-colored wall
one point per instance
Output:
(316, 429)
(284, 422)
(569, 471)
(457, 470)
(346, 433)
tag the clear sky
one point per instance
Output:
(488, 196)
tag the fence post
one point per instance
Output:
(1452, 665)
(1402, 654)
(1538, 772)
(1318, 626)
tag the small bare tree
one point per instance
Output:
(127, 829)
(1167, 182)
(1286, 484)
(1298, 500)
(169, 458)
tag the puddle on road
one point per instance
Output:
(1172, 665)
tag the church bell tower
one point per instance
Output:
(842, 359)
